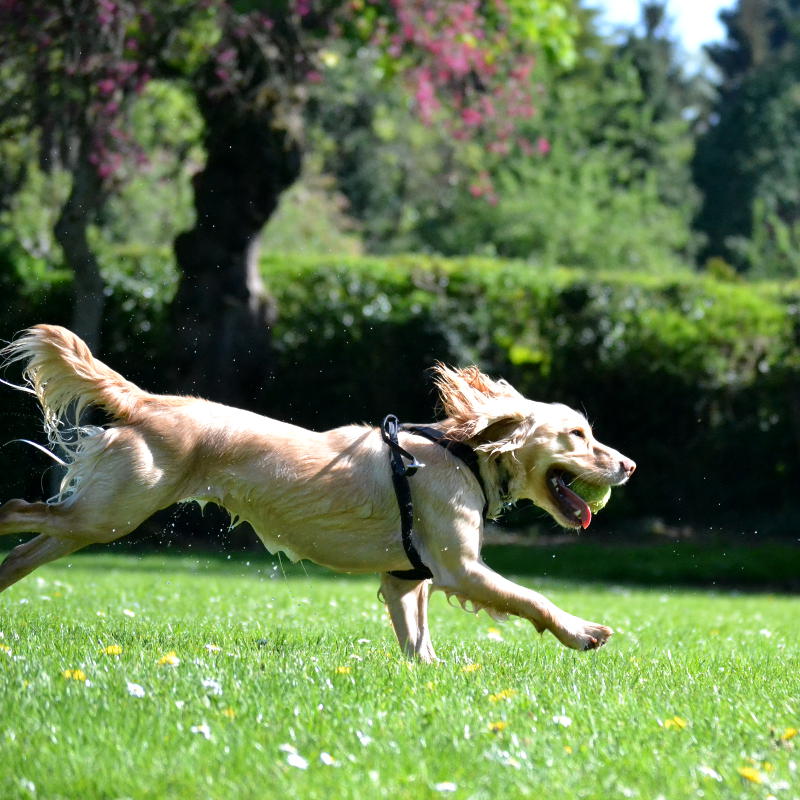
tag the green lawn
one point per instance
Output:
(292, 686)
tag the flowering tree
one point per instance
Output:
(74, 66)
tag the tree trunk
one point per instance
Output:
(222, 312)
(77, 214)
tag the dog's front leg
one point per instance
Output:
(407, 601)
(486, 588)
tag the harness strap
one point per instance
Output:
(400, 473)
(458, 449)
(402, 489)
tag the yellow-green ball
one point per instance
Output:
(593, 495)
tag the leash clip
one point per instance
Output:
(389, 429)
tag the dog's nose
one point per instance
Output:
(628, 466)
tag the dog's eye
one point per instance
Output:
(578, 433)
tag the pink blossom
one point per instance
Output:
(106, 86)
(471, 117)
(227, 56)
(543, 146)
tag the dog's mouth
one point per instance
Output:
(574, 510)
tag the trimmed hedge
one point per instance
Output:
(696, 379)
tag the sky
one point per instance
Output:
(694, 22)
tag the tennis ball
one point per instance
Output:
(593, 495)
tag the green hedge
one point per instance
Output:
(698, 380)
(694, 378)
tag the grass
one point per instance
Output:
(306, 697)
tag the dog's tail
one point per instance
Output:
(67, 378)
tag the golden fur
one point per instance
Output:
(327, 497)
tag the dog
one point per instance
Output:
(327, 497)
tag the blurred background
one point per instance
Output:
(297, 207)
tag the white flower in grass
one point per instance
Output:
(128, 613)
(202, 729)
(134, 690)
(293, 758)
(445, 786)
(708, 772)
(363, 738)
(327, 759)
(563, 720)
(214, 687)
(213, 648)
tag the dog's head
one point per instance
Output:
(543, 446)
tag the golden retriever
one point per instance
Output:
(327, 497)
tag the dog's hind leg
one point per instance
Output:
(24, 558)
(407, 601)
(20, 516)
(484, 587)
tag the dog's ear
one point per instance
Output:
(491, 414)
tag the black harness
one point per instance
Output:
(401, 472)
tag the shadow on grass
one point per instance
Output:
(771, 567)
(172, 535)
(763, 567)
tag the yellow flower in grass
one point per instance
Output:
(4, 648)
(676, 723)
(113, 650)
(498, 726)
(471, 668)
(788, 734)
(74, 674)
(169, 659)
(751, 774)
(505, 694)
(343, 670)
(229, 713)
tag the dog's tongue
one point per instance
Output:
(575, 502)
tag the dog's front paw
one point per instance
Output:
(581, 635)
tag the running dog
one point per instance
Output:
(327, 497)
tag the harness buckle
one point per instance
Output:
(389, 430)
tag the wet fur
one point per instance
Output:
(327, 497)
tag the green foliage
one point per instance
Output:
(598, 178)
(693, 688)
(311, 219)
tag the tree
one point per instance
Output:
(80, 63)
(747, 163)
(71, 69)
